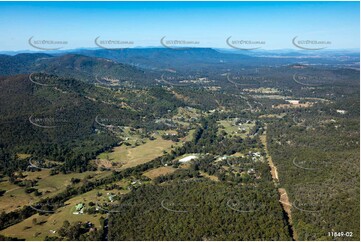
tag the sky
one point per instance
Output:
(273, 25)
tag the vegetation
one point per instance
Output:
(179, 147)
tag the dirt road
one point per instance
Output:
(284, 200)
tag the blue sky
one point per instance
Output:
(209, 23)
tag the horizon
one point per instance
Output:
(266, 26)
(228, 50)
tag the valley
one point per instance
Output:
(96, 146)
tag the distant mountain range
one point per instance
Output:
(145, 64)
(223, 50)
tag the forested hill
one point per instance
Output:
(19, 64)
(89, 69)
(51, 116)
(56, 116)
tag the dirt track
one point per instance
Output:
(284, 200)
(274, 171)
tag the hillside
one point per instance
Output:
(89, 69)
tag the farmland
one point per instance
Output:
(124, 156)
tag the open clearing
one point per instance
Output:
(272, 115)
(186, 115)
(54, 221)
(263, 90)
(23, 156)
(16, 197)
(284, 200)
(242, 129)
(210, 177)
(274, 172)
(152, 174)
(290, 105)
(123, 156)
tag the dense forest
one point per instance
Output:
(318, 157)
(199, 210)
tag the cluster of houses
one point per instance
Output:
(241, 125)
(255, 156)
(166, 121)
(134, 184)
(80, 207)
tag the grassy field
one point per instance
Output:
(126, 156)
(190, 135)
(159, 172)
(211, 177)
(122, 156)
(231, 129)
(50, 222)
(272, 115)
(262, 90)
(238, 154)
(23, 156)
(137, 149)
(186, 115)
(300, 105)
(16, 197)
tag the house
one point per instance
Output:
(293, 101)
(111, 197)
(135, 184)
(340, 111)
(188, 158)
(257, 154)
(243, 129)
(79, 208)
(251, 171)
(224, 157)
